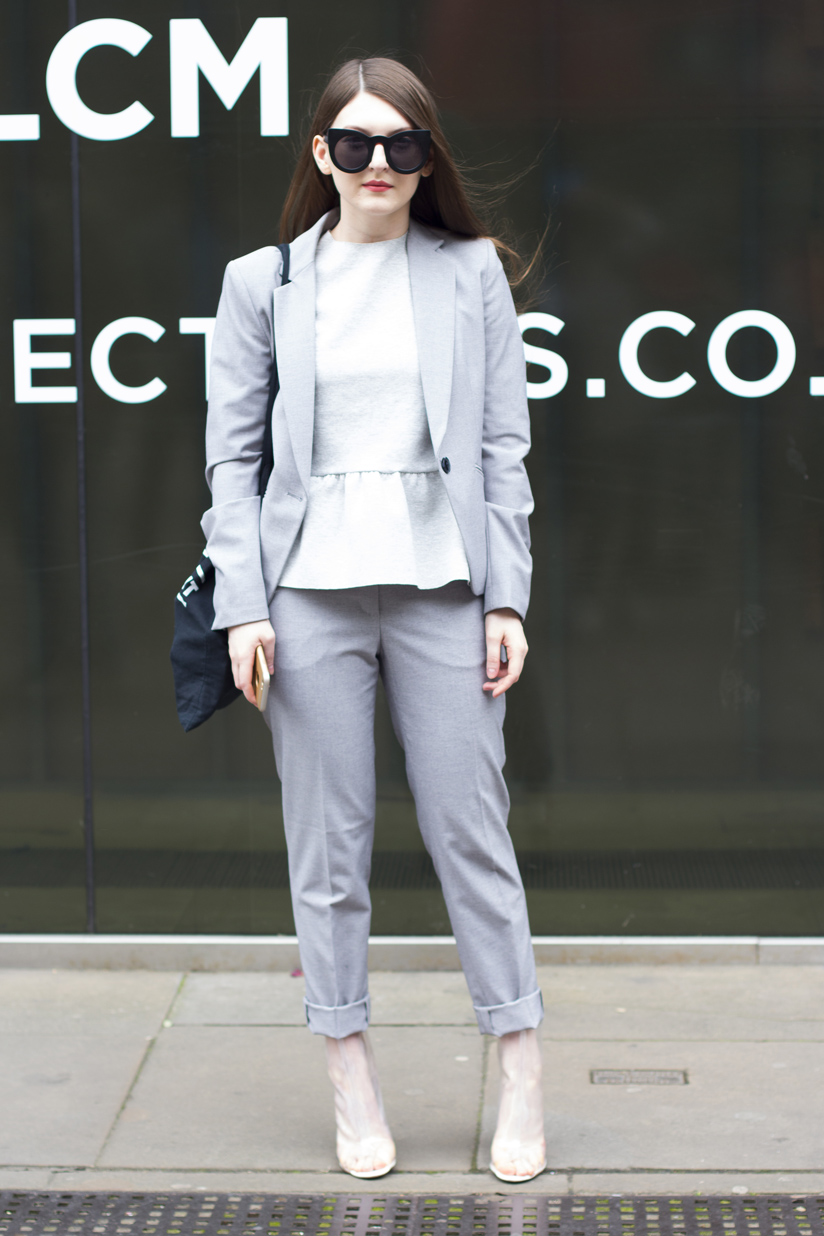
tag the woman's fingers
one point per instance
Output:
(504, 627)
(243, 644)
(243, 674)
(511, 672)
(499, 687)
(269, 651)
(242, 663)
(515, 657)
(493, 652)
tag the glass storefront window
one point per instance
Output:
(665, 745)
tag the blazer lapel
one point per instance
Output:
(432, 277)
(294, 329)
(295, 351)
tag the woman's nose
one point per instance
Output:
(379, 158)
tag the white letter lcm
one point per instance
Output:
(61, 79)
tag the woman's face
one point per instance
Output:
(377, 197)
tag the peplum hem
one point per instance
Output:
(366, 528)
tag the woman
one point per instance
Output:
(392, 540)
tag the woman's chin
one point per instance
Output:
(374, 209)
(378, 203)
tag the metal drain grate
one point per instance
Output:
(222, 1214)
(638, 1077)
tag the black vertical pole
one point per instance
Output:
(752, 416)
(82, 534)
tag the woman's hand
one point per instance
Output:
(243, 640)
(503, 626)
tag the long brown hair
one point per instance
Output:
(445, 199)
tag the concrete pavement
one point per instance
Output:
(210, 1081)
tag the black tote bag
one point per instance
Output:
(200, 656)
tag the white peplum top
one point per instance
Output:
(378, 511)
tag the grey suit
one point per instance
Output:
(472, 370)
(428, 646)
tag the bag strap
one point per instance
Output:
(267, 459)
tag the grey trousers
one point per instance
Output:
(429, 648)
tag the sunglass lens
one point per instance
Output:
(351, 152)
(407, 152)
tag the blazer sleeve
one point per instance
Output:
(239, 379)
(506, 441)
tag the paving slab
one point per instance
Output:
(683, 1002)
(27, 1179)
(549, 904)
(787, 952)
(746, 1107)
(614, 1184)
(333, 1182)
(60, 1094)
(228, 1097)
(411, 999)
(432, 1082)
(683, 1184)
(258, 1097)
(90, 1002)
(421, 998)
(129, 1080)
(239, 1000)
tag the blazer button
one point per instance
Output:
(445, 464)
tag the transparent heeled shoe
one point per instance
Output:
(364, 1144)
(519, 1146)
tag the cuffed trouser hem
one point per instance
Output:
(523, 1014)
(338, 1021)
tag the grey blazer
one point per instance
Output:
(474, 384)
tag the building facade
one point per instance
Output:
(666, 744)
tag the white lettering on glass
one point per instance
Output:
(558, 372)
(101, 368)
(206, 328)
(26, 361)
(61, 79)
(784, 361)
(628, 354)
(20, 128)
(192, 52)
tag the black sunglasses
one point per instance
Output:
(352, 151)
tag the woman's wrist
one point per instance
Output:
(252, 622)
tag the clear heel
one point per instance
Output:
(364, 1144)
(519, 1146)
